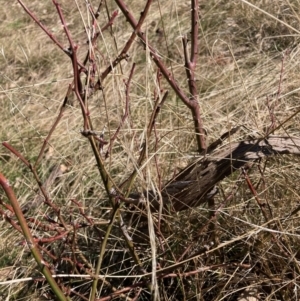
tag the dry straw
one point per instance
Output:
(149, 150)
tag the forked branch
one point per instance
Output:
(191, 103)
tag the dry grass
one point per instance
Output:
(240, 66)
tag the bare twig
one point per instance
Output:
(190, 103)
(124, 53)
(31, 244)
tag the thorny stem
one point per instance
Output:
(92, 41)
(78, 92)
(30, 240)
(123, 55)
(73, 56)
(37, 179)
(44, 28)
(9, 219)
(111, 21)
(39, 23)
(16, 153)
(190, 66)
(87, 125)
(194, 32)
(191, 103)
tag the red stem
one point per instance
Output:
(16, 153)
(73, 55)
(191, 103)
(30, 241)
(123, 55)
